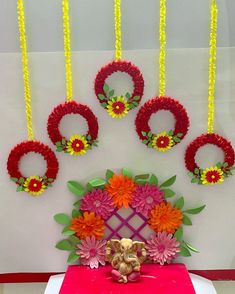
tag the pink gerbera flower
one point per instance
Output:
(162, 248)
(99, 202)
(92, 252)
(146, 197)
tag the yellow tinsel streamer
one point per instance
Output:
(162, 49)
(67, 50)
(118, 34)
(212, 65)
(25, 70)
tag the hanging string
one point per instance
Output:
(212, 65)
(118, 34)
(67, 50)
(25, 70)
(162, 48)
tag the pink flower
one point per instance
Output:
(162, 248)
(146, 197)
(99, 202)
(92, 252)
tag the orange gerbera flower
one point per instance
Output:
(88, 225)
(165, 218)
(121, 189)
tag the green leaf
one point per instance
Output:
(67, 231)
(178, 234)
(140, 181)
(225, 164)
(104, 104)
(75, 213)
(131, 105)
(137, 98)
(149, 134)
(195, 210)
(143, 177)
(170, 133)
(232, 168)
(190, 174)
(88, 137)
(179, 203)
(190, 247)
(50, 180)
(63, 141)
(196, 171)
(97, 183)
(73, 257)
(194, 180)
(109, 174)
(145, 142)
(76, 188)
(77, 204)
(14, 180)
(58, 144)
(144, 133)
(179, 135)
(153, 180)
(19, 189)
(74, 240)
(102, 97)
(128, 95)
(62, 219)
(186, 220)
(176, 139)
(184, 251)
(106, 89)
(21, 180)
(59, 149)
(150, 145)
(168, 193)
(64, 245)
(126, 172)
(219, 164)
(169, 182)
(111, 93)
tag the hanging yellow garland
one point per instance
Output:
(214, 174)
(34, 185)
(77, 144)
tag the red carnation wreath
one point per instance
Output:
(164, 140)
(214, 174)
(34, 185)
(119, 106)
(77, 144)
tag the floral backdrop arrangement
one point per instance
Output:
(85, 228)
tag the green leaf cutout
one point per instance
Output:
(179, 234)
(19, 189)
(179, 203)
(14, 180)
(104, 104)
(136, 98)
(168, 193)
(194, 180)
(75, 213)
(74, 240)
(77, 204)
(170, 133)
(64, 245)
(126, 172)
(184, 251)
(195, 210)
(153, 180)
(73, 257)
(186, 220)
(76, 188)
(106, 89)
(141, 181)
(101, 97)
(169, 182)
(109, 174)
(144, 133)
(128, 95)
(143, 177)
(111, 93)
(62, 219)
(190, 174)
(190, 247)
(97, 183)
(67, 231)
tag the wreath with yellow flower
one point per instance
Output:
(119, 106)
(166, 139)
(77, 144)
(90, 224)
(210, 175)
(34, 185)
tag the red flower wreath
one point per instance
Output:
(118, 106)
(77, 144)
(164, 140)
(34, 185)
(214, 174)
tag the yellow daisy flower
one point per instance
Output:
(34, 185)
(118, 107)
(212, 175)
(77, 145)
(162, 142)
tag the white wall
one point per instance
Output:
(92, 21)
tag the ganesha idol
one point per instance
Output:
(125, 260)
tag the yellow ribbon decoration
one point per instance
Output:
(67, 50)
(212, 66)
(118, 34)
(25, 70)
(162, 48)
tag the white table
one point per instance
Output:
(201, 285)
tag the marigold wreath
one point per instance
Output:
(34, 185)
(119, 106)
(167, 139)
(77, 144)
(215, 174)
